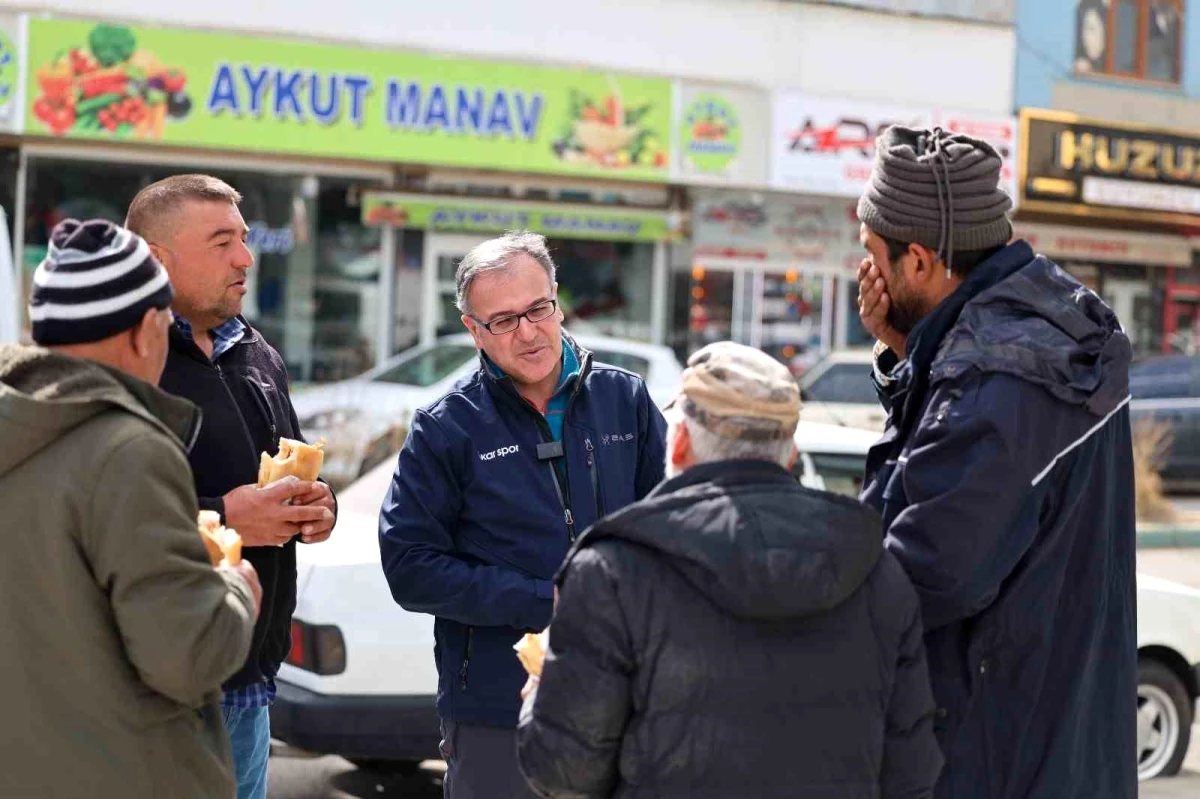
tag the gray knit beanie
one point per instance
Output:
(938, 189)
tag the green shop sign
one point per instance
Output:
(176, 87)
(406, 210)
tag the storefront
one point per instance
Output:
(766, 270)
(611, 262)
(305, 132)
(822, 153)
(1113, 204)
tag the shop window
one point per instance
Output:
(781, 313)
(314, 286)
(605, 288)
(10, 297)
(1140, 39)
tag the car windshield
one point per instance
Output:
(846, 382)
(623, 360)
(428, 367)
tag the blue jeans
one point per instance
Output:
(250, 733)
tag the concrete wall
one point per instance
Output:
(820, 48)
(1045, 76)
(1001, 11)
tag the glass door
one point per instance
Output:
(782, 313)
(443, 252)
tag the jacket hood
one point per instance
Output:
(753, 540)
(1041, 325)
(44, 395)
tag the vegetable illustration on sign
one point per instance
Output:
(304, 99)
(608, 134)
(109, 87)
(711, 134)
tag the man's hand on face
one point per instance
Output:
(320, 496)
(873, 306)
(262, 519)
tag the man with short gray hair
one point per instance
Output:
(495, 482)
(733, 634)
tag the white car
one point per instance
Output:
(361, 681)
(365, 419)
(838, 391)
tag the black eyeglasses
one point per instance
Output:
(507, 324)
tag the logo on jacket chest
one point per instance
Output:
(615, 438)
(499, 453)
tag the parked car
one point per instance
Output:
(1166, 390)
(360, 680)
(364, 420)
(838, 391)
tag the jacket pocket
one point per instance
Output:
(895, 499)
(263, 402)
(593, 467)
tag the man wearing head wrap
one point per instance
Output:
(1005, 477)
(733, 634)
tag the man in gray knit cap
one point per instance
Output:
(1004, 477)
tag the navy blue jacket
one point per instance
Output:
(1005, 480)
(473, 528)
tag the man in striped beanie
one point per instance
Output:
(116, 632)
(1004, 478)
(97, 282)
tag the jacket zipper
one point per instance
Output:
(594, 473)
(563, 486)
(462, 672)
(260, 399)
(236, 407)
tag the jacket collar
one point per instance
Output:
(495, 379)
(728, 472)
(185, 343)
(927, 336)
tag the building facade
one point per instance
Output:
(1110, 155)
(694, 163)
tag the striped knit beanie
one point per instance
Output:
(97, 280)
(938, 189)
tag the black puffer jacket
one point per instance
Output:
(733, 635)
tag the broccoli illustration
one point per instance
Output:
(111, 44)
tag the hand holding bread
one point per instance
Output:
(295, 458)
(531, 651)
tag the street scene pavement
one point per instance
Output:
(296, 776)
(299, 775)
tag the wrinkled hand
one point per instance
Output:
(247, 572)
(320, 496)
(873, 306)
(262, 519)
(530, 685)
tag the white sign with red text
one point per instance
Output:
(827, 146)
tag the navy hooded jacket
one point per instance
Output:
(1005, 480)
(475, 524)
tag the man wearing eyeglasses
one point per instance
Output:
(495, 482)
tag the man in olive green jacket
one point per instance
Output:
(115, 631)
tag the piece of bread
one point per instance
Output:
(294, 458)
(223, 544)
(531, 651)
